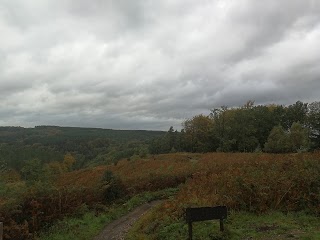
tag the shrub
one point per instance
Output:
(112, 186)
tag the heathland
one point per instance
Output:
(262, 162)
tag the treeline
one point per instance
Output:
(270, 128)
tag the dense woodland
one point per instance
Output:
(49, 146)
(269, 128)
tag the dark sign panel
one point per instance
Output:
(206, 213)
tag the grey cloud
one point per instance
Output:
(152, 64)
(267, 22)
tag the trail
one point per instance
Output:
(118, 229)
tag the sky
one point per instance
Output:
(149, 64)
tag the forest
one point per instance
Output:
(255, 159)
(88, 146)
(249, 128)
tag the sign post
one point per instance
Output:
(189, 228)
(1, 230)
(205, 213)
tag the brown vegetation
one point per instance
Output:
(254, 182)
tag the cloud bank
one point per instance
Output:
(151, 64)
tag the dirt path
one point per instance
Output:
(118, 229)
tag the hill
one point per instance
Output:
(55, 134)
(88, 146)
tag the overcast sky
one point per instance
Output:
(150, 64)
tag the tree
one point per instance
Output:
(55, 168)
(197, 133)
(278, 113)
(32, 170)
(299, 137)
(219, 136)
(313, 120)
(3, 166)
(219, 117)
(68, 161)
(278, 141)
(243, 129)
(143, 152)
(235, 129)
(155, 146)
(171, 137)
(165, 143)
(263, 122)
(295, 140)
(112, 186)
(295, 113)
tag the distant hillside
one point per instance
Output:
(89, 146)
(52, 134)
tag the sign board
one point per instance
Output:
(205, 213)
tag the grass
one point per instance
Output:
(89, 223)
(238, 226)
(274, 225)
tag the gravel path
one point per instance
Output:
(118, 229)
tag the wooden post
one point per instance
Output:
(1, 230)
(221, 225)
(189, 227)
